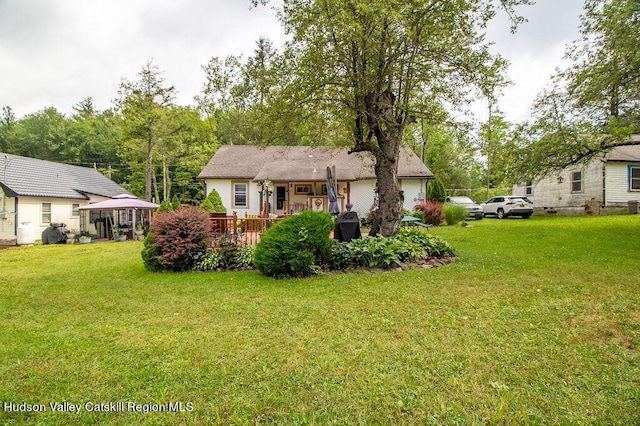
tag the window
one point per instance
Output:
(634, 178)
(75, 212)
(240, 196)
(46, 212)
(576, 182)
(528, 189)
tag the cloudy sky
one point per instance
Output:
(58, 52)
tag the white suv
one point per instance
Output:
(508, 205)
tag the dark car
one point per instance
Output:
(475, 211)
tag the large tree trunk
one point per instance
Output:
(391, 199)
(388, 131)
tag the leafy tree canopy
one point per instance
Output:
(379, 65)
(594, 104)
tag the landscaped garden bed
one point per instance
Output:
(297, 246)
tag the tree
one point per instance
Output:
(93, 138)
(379, 65)
(498, 146)
(7, 128)
(213, 203)
(144, 105)
(41, 135)
(594, 104)
(450, 155)
(437, 191)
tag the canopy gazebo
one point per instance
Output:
(123, 211)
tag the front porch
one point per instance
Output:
(286, 198)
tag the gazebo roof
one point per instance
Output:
(122, 201)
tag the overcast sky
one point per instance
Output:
(58, 52)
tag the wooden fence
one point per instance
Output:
(246, 230)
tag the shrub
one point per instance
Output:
(340, 255)
(295, 246)
(227, 255)
(150, 254)
(244, 257)
(409, 245)
(177, 238)
(454, 213)
(419, 214)
(434, 245)
(209, 260)
(431, 212)
(175, 203)
(165, 206)
(376, 252)
(213, 203)
(437, 191)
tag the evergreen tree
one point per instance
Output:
(437, 191)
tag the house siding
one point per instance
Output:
(8, 224)
(617, 185)
(412, 189)
(554, 192)
(361, 194)
(225, 190)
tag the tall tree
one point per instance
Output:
(381, 64)
(594, 104)
(499, 148)
(42, 135)
(143, 104)
(7, 127)
(451, 156)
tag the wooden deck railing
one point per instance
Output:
(245, 230)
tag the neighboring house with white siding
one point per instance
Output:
(252, 180)
(608, 182)
(41, 192)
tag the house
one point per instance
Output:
(287, 179)
(608, 182)
(38, 193)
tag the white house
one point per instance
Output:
(289, 179)
(36, 193)
(609, 182)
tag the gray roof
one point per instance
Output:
(302, 164)
(626, 153)
(29, 177)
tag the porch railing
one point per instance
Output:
(246, 230)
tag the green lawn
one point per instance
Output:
(537, 322)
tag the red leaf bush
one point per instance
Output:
(432, 212)
(177, 238)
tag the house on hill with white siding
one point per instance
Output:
(39, 193)
(608, 182)
(289, 179)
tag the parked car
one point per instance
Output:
(508, 205)
(475, 211)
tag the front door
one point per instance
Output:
(281, 195)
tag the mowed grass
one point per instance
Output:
(537, 322)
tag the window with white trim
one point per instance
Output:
(75, 210)
(240, 195)
(576, 181)
(634, 178)
(46, 212)
(528, 189)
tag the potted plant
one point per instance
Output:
(71, 235)
(139, 230)
(85, 239)
(117, 236)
